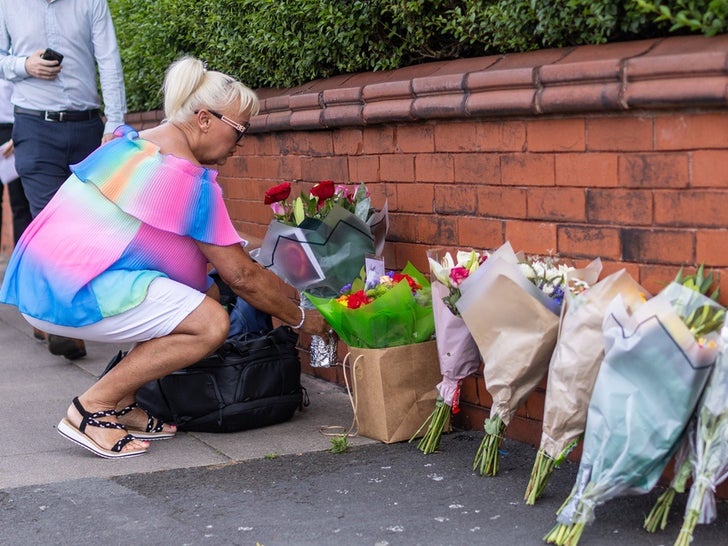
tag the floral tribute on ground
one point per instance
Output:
(381, 310)
(457, 351)
(511, 306)
(573, 369)
(318, 242)
(657, 361)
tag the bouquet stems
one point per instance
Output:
(685, 537)
(437, 421)
(692, 513)
(657, 518)
(486, 458)
(565, 535)
(543, 467)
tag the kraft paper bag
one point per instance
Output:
(394, 389)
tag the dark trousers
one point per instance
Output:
(19, 205)
(45, 149)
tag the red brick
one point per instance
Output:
(556, 135)
(710, 168)
(418, 138)
(415, 254)
(531, 237)
(587, 169)
(621, 207)
(501, 136)
(609, 267)
(659, 246)
(654, 170)
(524, 430)
(325, 168)
(434, 168)
(656, 277)
(418, 198)
(455, 199)
(712, 247)
(378, 140)
(502, 202)
(456, 137)
(477, 168)
(556, 204)
(443, 229)
(691, 131)
(593, 242)
(402, 227)
(527, 170)
(348, 141)
(397, 167)
(692, 208)
(315, 143)
(364, 169)
(480, 233)
(620, 134)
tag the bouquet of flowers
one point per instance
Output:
(318, 242)
(457, 351)
(511, 306)
(656, 363)
(709, 448)
(381, 310)
(573, 369)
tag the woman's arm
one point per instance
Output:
(261, 288)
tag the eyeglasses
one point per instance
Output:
(239, 129)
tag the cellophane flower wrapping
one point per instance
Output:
(709, 447)
(574, 365)
(320, 256)
(457, 351)
(648, 385)
(514, 326)
(395, 318)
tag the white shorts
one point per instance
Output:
(167, 304)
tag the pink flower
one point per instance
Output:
(458, 274)
(278, 209)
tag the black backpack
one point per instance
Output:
(251, 381)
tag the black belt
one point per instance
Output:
(5, 126)
(66, 115)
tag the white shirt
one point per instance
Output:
(82, 30)
(6, 107)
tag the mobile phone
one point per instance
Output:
(52, 55)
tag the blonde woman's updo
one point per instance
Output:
(189, 86)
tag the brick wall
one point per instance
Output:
(617, 151)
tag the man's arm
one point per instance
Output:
(111, 74)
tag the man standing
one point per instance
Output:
(56, 101)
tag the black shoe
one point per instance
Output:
(72, 349)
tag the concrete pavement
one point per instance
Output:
(272, 486)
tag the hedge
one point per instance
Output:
(284, 43)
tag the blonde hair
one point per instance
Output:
(189, 86)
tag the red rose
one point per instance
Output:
(324, 190)
(357, 299)
(414, 285)
(277, 193)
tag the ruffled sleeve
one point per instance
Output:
(164, 191)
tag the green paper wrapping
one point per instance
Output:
(393, 319)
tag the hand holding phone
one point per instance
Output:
(52, 55)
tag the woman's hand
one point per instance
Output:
(316, 325)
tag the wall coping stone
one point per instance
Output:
(673, 72)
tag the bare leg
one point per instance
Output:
(198, 335)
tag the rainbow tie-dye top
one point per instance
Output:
(127, 215)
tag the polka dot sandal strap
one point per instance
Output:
(153, 425)
(92, 419)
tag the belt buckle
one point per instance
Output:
(53, 116)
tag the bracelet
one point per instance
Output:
(303, 318)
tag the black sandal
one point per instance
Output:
(154, 429)
(78, 436)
